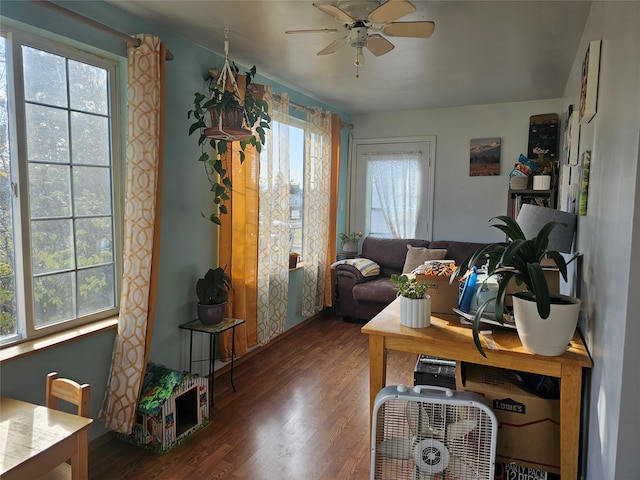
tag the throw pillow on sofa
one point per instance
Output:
(416, 256)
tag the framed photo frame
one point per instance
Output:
(589, 82)
(484, 157)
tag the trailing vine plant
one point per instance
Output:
(220, 99)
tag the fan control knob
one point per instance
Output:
(401, 388)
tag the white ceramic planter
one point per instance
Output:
(549, 336)
(415, 312)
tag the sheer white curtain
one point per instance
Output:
(273, 248)
(397, 180)
(317, 191)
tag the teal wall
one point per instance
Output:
(188, 241)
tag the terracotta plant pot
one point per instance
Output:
(293, 261)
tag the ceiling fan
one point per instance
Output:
(364, 20)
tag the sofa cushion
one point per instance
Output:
(416, 256)
(380, 290)
(389, 253)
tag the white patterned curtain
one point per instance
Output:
(396, 178)
(145, 133)
(273, 258)
(317, 191)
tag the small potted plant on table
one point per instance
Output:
(213, 292)
(350, 241)
(415, 302)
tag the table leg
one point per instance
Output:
(570, 403)
(191, 350)
(212, 359)
(377, 368)
(233, 354)
(80, 459)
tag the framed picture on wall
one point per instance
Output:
(484, 157)
(589, 82)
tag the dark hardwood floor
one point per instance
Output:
(301, 412)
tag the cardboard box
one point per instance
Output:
(444, 297)
(513, 471)
(529, 426)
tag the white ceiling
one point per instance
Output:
(480, 52)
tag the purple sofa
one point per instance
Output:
(359, 298)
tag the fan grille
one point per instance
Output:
(425, 440)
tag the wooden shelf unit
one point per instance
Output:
(516, 198)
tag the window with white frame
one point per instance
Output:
(60, 261)
(291, 154)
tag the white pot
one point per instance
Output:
(415, 312)
(549, 336)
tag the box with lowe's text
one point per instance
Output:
(529, 426)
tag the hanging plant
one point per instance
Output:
(221, 116)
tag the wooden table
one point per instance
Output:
(447, 337)
(35, 439)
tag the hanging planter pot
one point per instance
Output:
(228, 124)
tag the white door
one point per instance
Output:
(392, 187)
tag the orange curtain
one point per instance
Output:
(238, 242)
(336, 128)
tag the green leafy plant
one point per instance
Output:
(219, 100)
(350, 237)
(518, 259)
(214, 287)
(409, 287)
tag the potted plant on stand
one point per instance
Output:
(545, 322)
(350, 241)
(415, 303)
(221, 116)
(213, 292)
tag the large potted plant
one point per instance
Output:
(213, 292)
(415, 302)
(545, 322)
(221, 116)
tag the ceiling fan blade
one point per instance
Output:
(335, 12)
(378, 45)
(313, 30)
(409, 29)
(334, 46)
(390, 11)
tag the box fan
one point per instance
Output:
(431, 433)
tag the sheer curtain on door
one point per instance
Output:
(396, 179)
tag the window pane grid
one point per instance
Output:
(64, 123)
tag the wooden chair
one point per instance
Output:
(71, 392)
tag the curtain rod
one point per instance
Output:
(92, 23)
(297, 106)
